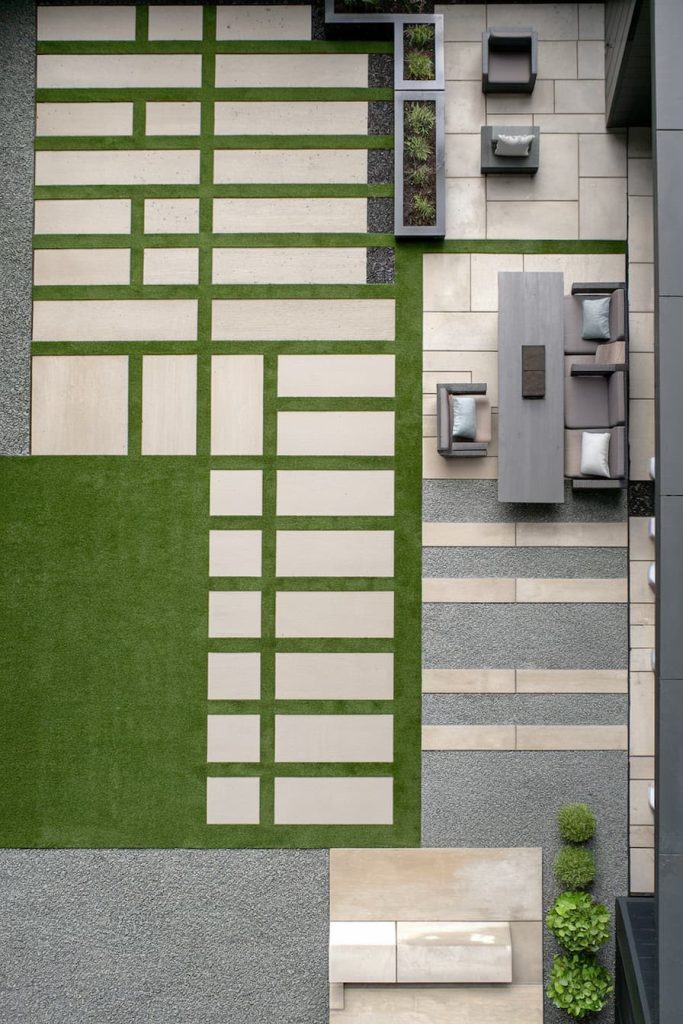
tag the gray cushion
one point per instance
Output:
(464, 418)
(586, 402)
(511, 67)
(616, 398)
(596, 325)
(513, 145)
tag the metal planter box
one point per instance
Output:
(401, 229)
(400, 21)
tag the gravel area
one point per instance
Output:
(380, 118)
(641, 498)
(380, 166)
(524, 709)
(381, 70)
(380, 266)
(381, 215)
(523, 561)
(476, 501)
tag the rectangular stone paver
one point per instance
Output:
(549, 219)
(256, 22)
(234, 675)
(334, 676)
(571, 681)
(171, 216)
(327, 738)
(468, 590)
(82, 216)
(290, 265)
(119, 71)
(171, 266)
(115, 320)
(468, 534)
(441, 1004)
(172, 118)
(169, 405)
(572, 737)
(233, 738)
(303, 117)
(118, 167)
(303, 319)
(468, 737)
(291, 70)
(334, 553)
(442, 680)
(290, 166)
(84, 119)
(335, 614)
(81, 266)
(289, 215)
(87, 22)
(237, 405)
(335, 492)
(551, 21)
(235, 613)
(605, 535)
(232, 801)
(235, 552)
(584, 590)
(335, 433)
(167, 22)
(334, 801)
(336, 376)
(236, 492)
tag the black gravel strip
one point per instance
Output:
(641, 498)
(380, 117)
(525, 709)
(380, 166)
(380, 70)
(317, 19)
(476, 501)
(381, 215)
(545, 562)
(380, 266)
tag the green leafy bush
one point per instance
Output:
(424, 210)
(417, 148)
(578, 985)
(576, 822)
(578, 922)
(420, 118)
(575, 866)
(419, 36)
(420, 67)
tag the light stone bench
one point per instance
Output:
(418, 952)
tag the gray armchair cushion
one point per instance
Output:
(509, 67)
(586, 402)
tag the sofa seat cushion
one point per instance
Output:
(483, 412)
(586, 402)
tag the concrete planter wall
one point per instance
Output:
(401, 83)
(401, 229)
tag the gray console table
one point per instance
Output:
(530, 430)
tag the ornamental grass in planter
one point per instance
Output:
(419, 53)
(419, 163)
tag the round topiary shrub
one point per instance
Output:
(575, 866)
(578, 985)
(577, 823)
(578, 923)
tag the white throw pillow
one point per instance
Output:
(595, 454)
(513, 145)
(464, 418)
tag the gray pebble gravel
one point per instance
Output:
(522, 561)
(525, 709)
(476, 501)
(380, 265)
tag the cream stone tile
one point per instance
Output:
(602, 156)
(463, 156)
(232, 801)
(463, 61)
(336, 376)
(641, 332)
(289, 215)
(485, 268)
(362, 951)
(572, 737)
(571, 681)
(235, 552)
(557, 177)
(117, 167)
(540, 101)
(642, 836)
(335, 553)
(465, 23)
(334, 801)
(327, 738)
(82, 216)
(301, 117)
(334, 676)
(441, 1004)
(641, 438)
(446, 361)
(335, 492)
(234, 675)
(640, 229)
(289, 70)
(591, 59)
(642, 375)
(290, 266)
(167, 22)
(551, 21)
(640, 812)
(557, 59)
(256, 22)
(460, 331)
(642, 637)
(85, 22)
(334, 614)
(236, 492)
(640, 142)
(84, 118)
(468, 590)
(642, 714)
(237, 405)
(580, 590)
(578, 123)
(81, 266)
(527, 952)
(640, 660)
(602, 208)
(468, 680)
(465, 208)
(169, 405)
(434, 467)
(119, 70)
(468, 534)
(642, 871)
(591, 21)
(642, 614)
(522, 118)
(233, 738)
(171, 266)
(532, 220)
(115, 320)
(468, 737)
(450, 951)
(465, 107)
(585, 96)
(641, 767)
(580, 267)
(592, 535)
(335, 433)
(641, 545)
(173, 118)
(640, 288)
(235, 613)
(290, 166)
(79, 405)
(446, 278)
(171, 216)
(640, 177)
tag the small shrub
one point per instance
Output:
(576, 822)
(419, 36)
(421, 175)
(420, 118)
(578, 923)
(578, 985)
(575, 866)
(420, 67)
(424, 210)
(417, 147)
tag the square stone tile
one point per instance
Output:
(235, 613)
(236, 492)
(551, 21)
(465, 208)
(538, 102)
(640, 229)
(170, 266)
(591, 21)
(233, 738)
(602, 156)
(640, 177)
(485, 268)
(641, 288)
(168, 22)
(557, 59)
(585, 96)
(234, 675)
(446, 278)
(463, 156)
(171, 216)
(463, 61)
(234, 553)
(542, 219)
(232, 801)
(602, 208)
(465, 107)
(591, 59)
(557, 177)
(463, 23)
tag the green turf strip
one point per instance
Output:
(222, 46)
(139, 141)
(251, 94)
